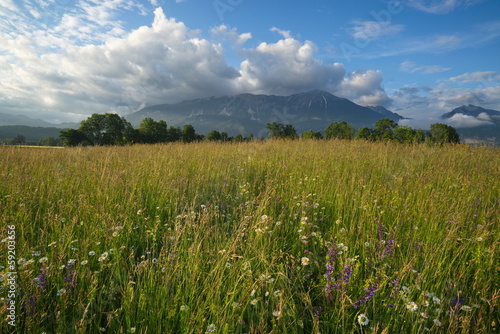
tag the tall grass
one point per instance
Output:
(261, 237)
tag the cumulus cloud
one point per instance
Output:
(409, 66)
(88, 63)
(365, 88)
(285, 67)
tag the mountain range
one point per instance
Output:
(248, 113)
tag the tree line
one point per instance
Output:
(112, 129)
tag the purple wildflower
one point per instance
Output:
(69, 276)
(370, 292)
(42, 278)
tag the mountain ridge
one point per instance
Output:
(245, 113)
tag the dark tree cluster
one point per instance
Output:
(385, 129)
(112, 129)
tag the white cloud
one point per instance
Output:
(284, 33)
(371, 30)
(466, 121)
(286, 67)
(409, 66)
(365, 88)
(439, 6)
(486, 76)
(223, 33)
(88, 63)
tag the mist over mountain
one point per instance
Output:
(474, 123)
(248, 113)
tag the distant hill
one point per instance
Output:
(8, 119)
(473, 111)
(245, 113)
(32, 134)
(475, 124)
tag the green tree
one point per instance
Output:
(404, 134)
(310, 134)
(239, 138)
(214, 135)
(19, 140)
(442, 134)
(365, 133)
(384, 129)
(188, 133)
(73, 137)
(174, 134)
(151, 131)
(340, 130)
(107, 129)
(281, 131)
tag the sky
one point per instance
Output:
(63, 60)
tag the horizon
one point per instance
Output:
(65, 60)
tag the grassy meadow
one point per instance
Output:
(260, 237)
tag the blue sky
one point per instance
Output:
(62, 60)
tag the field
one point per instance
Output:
(261, 237)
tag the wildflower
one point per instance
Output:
(61, 292)
(115, 234)
(367, 244)
(466, 308)
(252, 293)
(277, 314)
(412, 306)
(406, 290)
(36, 253)
(228, 264)
(426, 303)
(437, 322)
(43, 259)
(184, 308)
(222, 251)
(84, 262)
(300, 323)
(436, 300)
(363, 319)
(264, 217)
(132, 330)
(305, 261)
(102, 329)
(91, 253)
(479, 239)
(211, 328)
(253, 302)
(277, 293)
